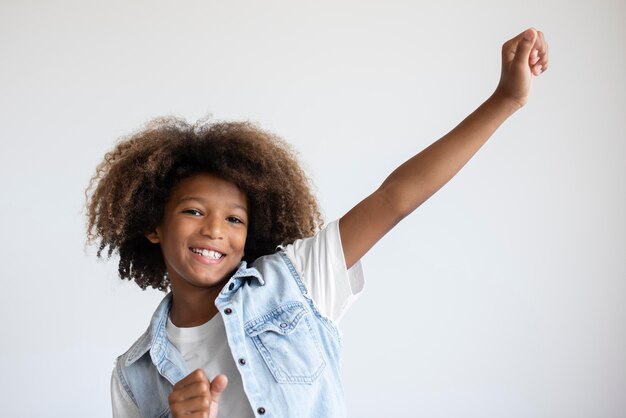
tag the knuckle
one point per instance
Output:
(203, 387)
(205, 404)
(176, 410)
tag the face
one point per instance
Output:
(203, 232)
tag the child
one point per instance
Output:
(222, 215)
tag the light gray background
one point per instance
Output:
(502, 296)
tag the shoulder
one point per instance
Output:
(320, 263)
(324, 245)
(321, 256)
(136, 350)
(154, 334)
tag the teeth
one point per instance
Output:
(207, 253)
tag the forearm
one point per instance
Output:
(420, 177)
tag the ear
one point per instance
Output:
(153, 236)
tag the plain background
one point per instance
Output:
(502, 296)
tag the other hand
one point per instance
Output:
(522, 57)
(195, 396)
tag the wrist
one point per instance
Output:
(505, 103)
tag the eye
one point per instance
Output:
(194, 212)
(234, 219)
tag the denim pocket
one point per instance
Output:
(288, 343)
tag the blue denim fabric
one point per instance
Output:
(292, 353)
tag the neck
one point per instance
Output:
(193, 306)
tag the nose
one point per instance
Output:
(212, 227)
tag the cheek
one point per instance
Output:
(242, 240)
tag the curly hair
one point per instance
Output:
(126, 197)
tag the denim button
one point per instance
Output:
(232, 286)
(261, 410)
(283, 325)
(242, 361)
(228, 311)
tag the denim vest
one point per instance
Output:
(287, 353)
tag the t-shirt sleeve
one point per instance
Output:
(321, 264)
(123, 406)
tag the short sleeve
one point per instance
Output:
(123, 406)
(321, 264)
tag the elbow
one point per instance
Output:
(396, 205)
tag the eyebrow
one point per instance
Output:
(201, 200)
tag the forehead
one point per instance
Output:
(208, 187)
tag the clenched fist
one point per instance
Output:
(195, 396)
(522, 57)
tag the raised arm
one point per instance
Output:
(420, 177)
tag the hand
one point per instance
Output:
(522, 57)
(194, 396)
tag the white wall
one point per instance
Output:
(502, 296)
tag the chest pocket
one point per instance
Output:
(288, 343)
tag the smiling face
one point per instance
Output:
(203, 232)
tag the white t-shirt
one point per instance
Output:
(320, 262)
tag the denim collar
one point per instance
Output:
(155, 338)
